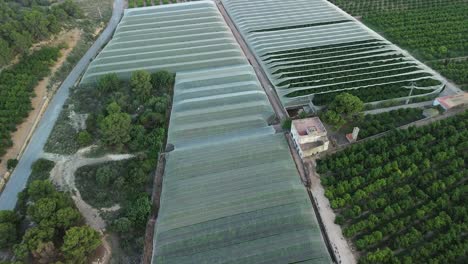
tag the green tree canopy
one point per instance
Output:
(162, 81)
(108, 83)
(8, 228)
(115, 127)
(346, 104)
(79, 242)
(141, 85)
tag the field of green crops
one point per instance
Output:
(402, 198)
(435, 31)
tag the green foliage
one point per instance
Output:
(162, 82)
(11, 164)
(52, 213)
(141, 85)
(286, 124)
(20, 27)
(399, 197)
(79, 242)
(378, 123)
(138, 211)
(40, 170)
(84, 138)
(16, 84)
(108, 83)
(115, 127)
(8, 228)
(346, 104)
(333, 118)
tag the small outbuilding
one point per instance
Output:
(451, 101)
(310, 136)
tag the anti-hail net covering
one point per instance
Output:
(176, 38)
(231, 192)
(310, 48)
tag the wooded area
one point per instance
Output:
(57, 232)
(23, 23)
(400, 198)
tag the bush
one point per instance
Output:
(11, 164)
(84, 138)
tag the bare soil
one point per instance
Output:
(344, 252)
(24, 131)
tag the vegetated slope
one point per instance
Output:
(403, 197)
(433, 30)
(312, 51)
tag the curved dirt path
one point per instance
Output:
(63, 175)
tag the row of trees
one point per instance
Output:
(343, 108)
(55, 230)
(400, 198)
(455, 70)
(22, 26)
(16, 89)
(374, 124)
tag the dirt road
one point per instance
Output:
(63, 175)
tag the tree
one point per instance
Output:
(162, 81)
(8, 234)
(40, 189)
(43, 209)
(333, 118)
(108, 83)
(122, 225)
(67, 217)
(11, 163)
(139, 210)
(5, 52)
(79, 242)
(37, 235)
(141, 85)
(84, 138)
(46, 253)
(36, 22)
(346, 104)
(115, 128)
